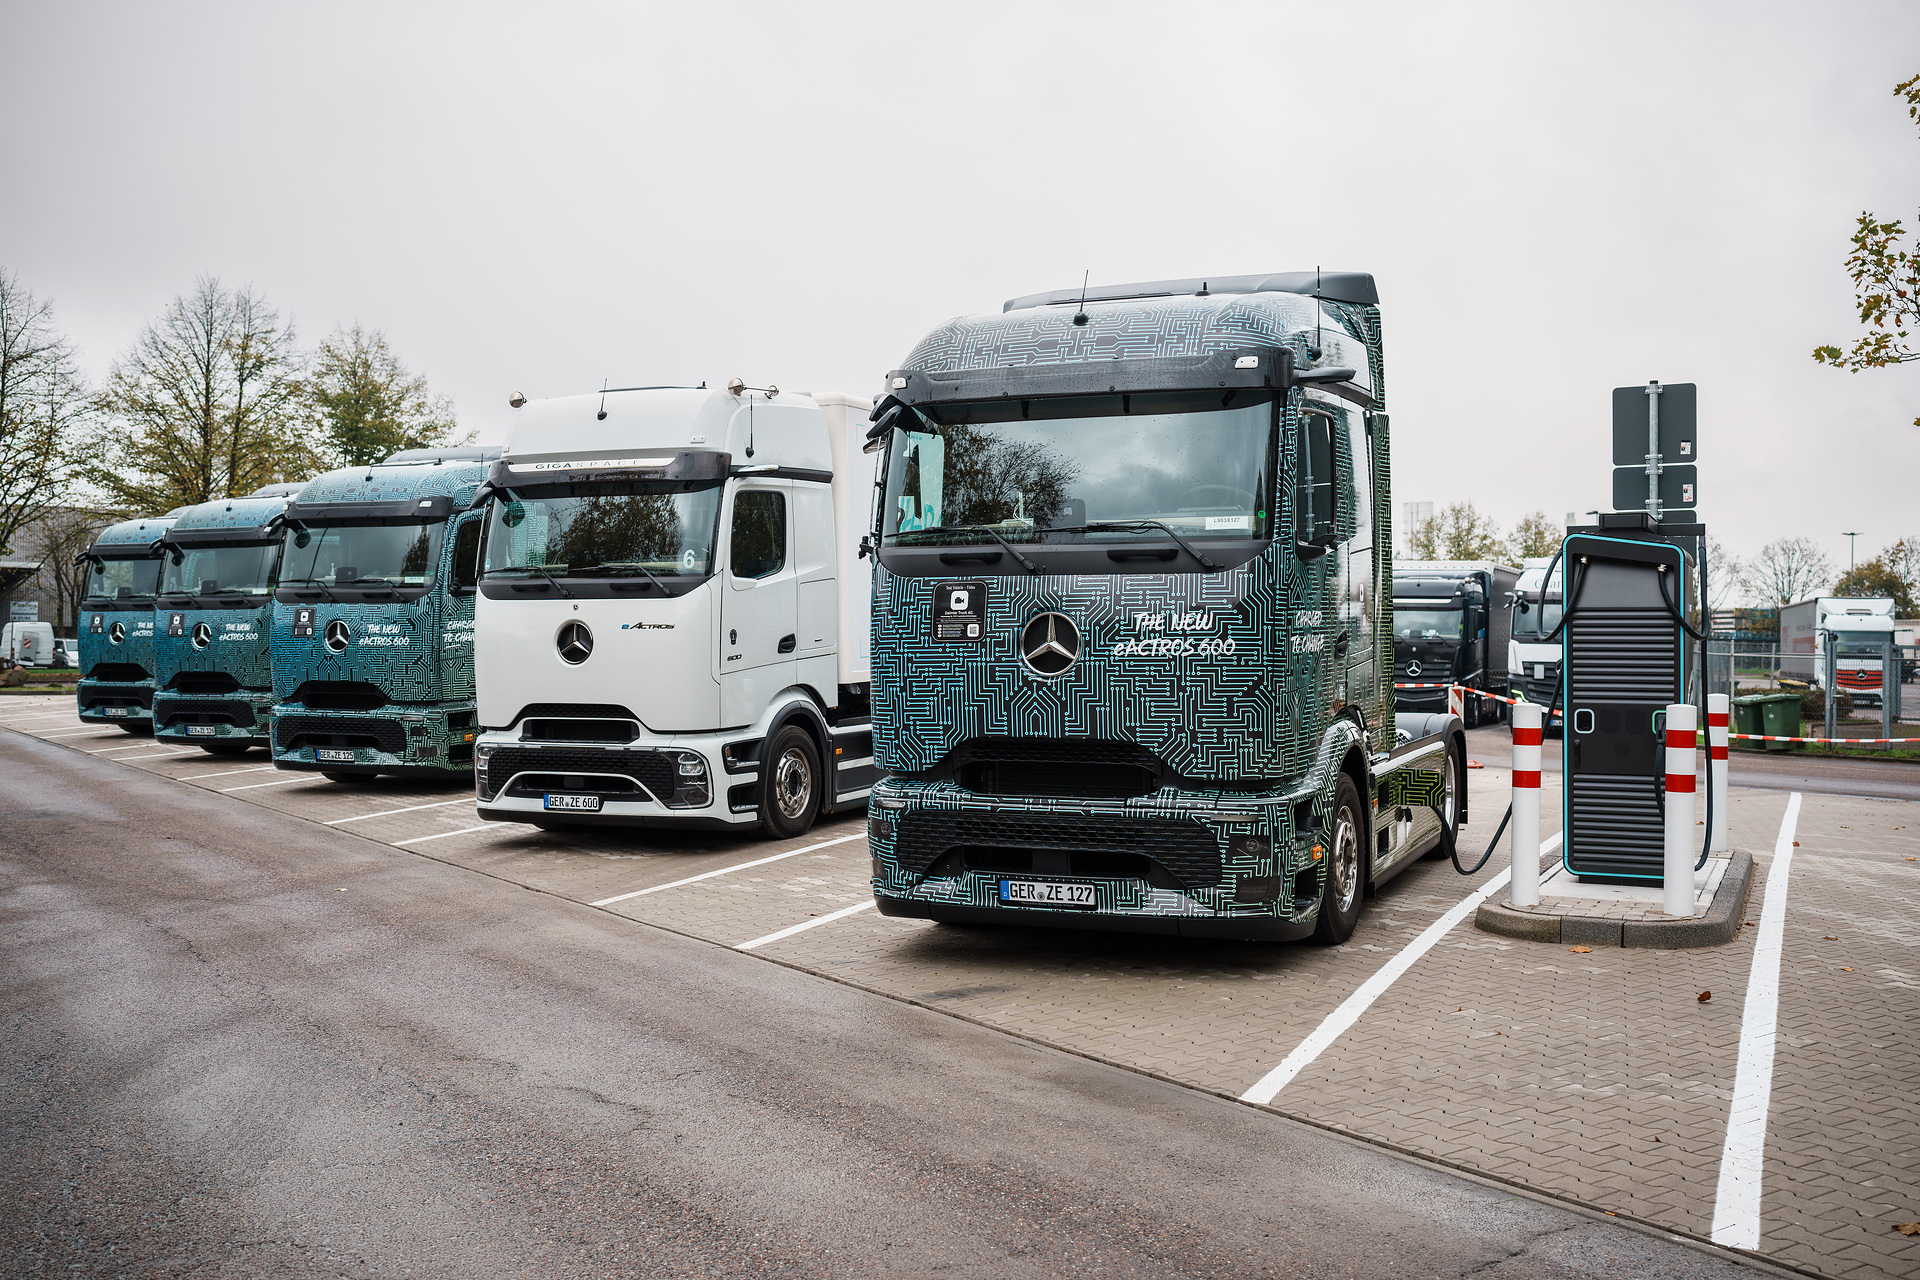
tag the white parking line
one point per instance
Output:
(1736, 1202)
(162, 755)
(1356, 1004)
(227, 773)
(362, 817)
(277, 782)
(792, 929)
(442, 835)
(125, 746)
(72, 733)
(708, 875)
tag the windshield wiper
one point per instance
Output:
(623, 564)
(1132, 526)
(534, 568)
(1013, 551)
(324, 588)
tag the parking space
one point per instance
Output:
(1603, 1077)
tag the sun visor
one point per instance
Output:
(684, 466)
(395, 511)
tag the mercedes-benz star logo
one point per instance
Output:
(337, 636)
(575, 643)
(1049, 644)
(202, 635)
(1413, 669)
(117, 632)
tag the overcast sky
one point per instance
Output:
(1554, 199)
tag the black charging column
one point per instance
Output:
(1623, 660)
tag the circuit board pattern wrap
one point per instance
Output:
(422, 658)
(132, 698)
(238, 645)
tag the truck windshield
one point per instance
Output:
(123, 579)
(239, 570)
(1427, 624)
(1023, 468)
(392, 555)
(605, 534)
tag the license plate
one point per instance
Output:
(115, 711)
(1046, 893)
(332, 755)
(203, 731)
(582, 804)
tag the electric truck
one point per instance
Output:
(673, 611)
(1133, 621)
(116, 623)
(373, 619)
(212, 668)
(1451, 620)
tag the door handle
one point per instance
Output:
(1340, 646)
(788, 643)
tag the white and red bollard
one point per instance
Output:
(1682, 731)
(1524, 881)
(1718, 707)
(1456, 703)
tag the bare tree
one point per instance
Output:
(367, 404)
(1725, 575)
(1787, 570)
(205, 404)
(55, 539)
(1457, 532)
(1535, 535)
(42, 404)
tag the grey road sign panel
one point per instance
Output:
(1679, 488)
(1679, 416)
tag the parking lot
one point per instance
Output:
(1602, 1078)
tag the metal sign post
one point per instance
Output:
(1655, 447)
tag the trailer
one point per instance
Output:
(1452, 623)
(1842, 640)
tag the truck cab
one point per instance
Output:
(373, 619)
(213, 675)
(1133, 622)
(1450, 626)
(1533, 661)
(116, 623)
(673, 612)
(1858, 633)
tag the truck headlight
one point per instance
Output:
(691, 789)
(481, 751)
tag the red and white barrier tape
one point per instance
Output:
(1773, 737)
(1482, 693)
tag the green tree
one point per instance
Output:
(43, 403)
(1457, 532)
(1535, 535)
(367, 405)
(1886, 282)
(206, 404)
(1891, 573)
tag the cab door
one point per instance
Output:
(759, 608)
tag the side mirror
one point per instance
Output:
(1315, 499)
(866, 545)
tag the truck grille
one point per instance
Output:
(1056, 768)
(574, 711)
(201, 684)
(648, 769)
(119, 672)
(339, 695)
(115, 698)
(1188, 850)
(171, 711)
(294, 732)
(1617, 829)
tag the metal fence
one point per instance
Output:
(1734, 667)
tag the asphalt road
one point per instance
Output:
(240, 1044)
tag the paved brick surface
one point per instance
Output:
(1596, 1075)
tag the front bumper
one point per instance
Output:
(234, 717)
(639, 783)
(107, 702)
(1189, 864)
(395, 739)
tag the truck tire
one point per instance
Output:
(790, 784)
(1343, 885)
(1449, 808)
(1470, 710)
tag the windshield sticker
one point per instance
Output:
(1229, 522)
(959, 610)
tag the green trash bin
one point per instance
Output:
(1748, 718)
(1774, 714)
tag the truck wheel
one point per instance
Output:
(1343, 885)
(790, 784)
(1470, 712)
(1449, 808)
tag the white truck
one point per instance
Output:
(673, 618)
(1533, 664)
(1860, 630)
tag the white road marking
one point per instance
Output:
(1736, 1202)
(125, 746)
(163, 755)
(74, 733)
(815, 923)
(277, 782)
(442, 835)
(708, 875)
(227, 773)
(1356, 1004)
(362, 817)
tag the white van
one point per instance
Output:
(28, 643)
